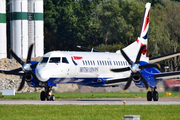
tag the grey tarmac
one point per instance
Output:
(96, 101)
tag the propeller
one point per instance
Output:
(26, 68)
(135, 68)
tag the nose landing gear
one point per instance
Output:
(153, 94)
(47, 94)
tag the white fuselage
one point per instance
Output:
(81, 65)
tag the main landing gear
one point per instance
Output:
(47, 94)
(153, 94)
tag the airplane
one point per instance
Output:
(96, 69)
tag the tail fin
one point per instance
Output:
(143, 33)
(133, 48)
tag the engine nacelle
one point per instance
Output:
(28, 77)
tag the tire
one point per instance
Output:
(42, 96)
(155, 96)
(149, 96)
(52, 97)
(48, 98)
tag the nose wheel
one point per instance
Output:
(47, 94)
(152, 95)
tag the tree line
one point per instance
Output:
(108, 24)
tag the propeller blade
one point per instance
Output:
(126, 57)
(34, 76)
(120, 69)
(144, 81)
(149, 66)
(139, 54)
(22, 83)
(33, 65)
(28, 60)
(16, 57)
(129, 82)
(11, 71)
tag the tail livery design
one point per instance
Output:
(143, 33)
(142, 39)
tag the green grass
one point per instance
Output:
(87, 95)
(88, 112)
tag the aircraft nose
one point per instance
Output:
(42, 75)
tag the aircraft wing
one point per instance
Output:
(163, 57)
(167, 75)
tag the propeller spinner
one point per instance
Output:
(135, 68)
(26, 68)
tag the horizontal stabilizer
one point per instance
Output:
(163, 57)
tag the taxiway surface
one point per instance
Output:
(96, 101)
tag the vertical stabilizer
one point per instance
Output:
(142, 39)
(144, 29)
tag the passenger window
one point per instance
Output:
(114, 62)
(91, 62)
(55, 60)
(64, 60)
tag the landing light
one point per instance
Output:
(50, 93)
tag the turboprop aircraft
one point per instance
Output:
(97, 69)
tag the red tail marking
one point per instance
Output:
(145, 49)
(147, 20)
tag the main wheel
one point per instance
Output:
(155, 96)
(149, 96)
(43, 96)
(49, 98)
(52, 97)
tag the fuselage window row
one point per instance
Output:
(104, 63)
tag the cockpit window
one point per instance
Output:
(55, 60)
(44, 60)
(64, 60)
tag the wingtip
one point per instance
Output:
(3, 72)
(18, 90)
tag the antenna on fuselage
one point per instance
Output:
(85, 48)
